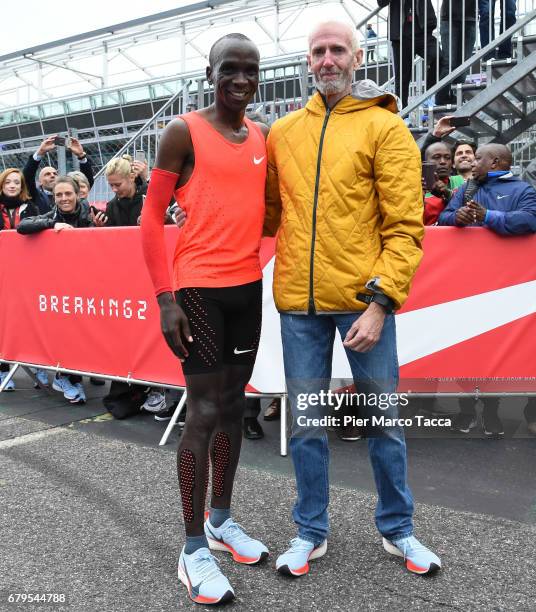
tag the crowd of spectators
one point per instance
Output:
(476, 187)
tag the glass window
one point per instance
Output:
(78, 105)
(164, 90)
(135, 94)
(53, 109)
(7, 118)
(107, 99)
(30, 113)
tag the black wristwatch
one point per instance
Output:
(379, 298)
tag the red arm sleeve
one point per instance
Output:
(160, 192)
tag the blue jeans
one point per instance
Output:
(486, 11)
(307, 352)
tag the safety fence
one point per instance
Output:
(468, 326)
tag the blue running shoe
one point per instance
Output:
(80, 394)
(200, 573)
(230, 537)
(10, 385)
(418, 558)
(63, 385)
(295, 561)
(42, 377)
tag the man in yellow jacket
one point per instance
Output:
(344, 196)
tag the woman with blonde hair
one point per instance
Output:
(128, 181)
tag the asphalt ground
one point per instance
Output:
(90, 509)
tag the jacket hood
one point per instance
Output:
(365, 93)
(368, 91)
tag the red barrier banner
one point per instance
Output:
(82, 300)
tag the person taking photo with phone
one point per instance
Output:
(439, 189)
(41, 193)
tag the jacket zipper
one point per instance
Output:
(315, 203)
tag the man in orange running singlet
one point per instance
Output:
(214, 160)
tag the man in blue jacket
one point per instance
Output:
(506, 205)
(502, 203)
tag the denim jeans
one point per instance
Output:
(307, 352)
(452, 40)
(486, 11)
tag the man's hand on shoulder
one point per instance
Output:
(366, 329)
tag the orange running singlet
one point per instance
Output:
(218, 245)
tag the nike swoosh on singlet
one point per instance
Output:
(237, 352)
(258, 161)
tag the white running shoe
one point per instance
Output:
(200, 573)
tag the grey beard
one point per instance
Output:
(333, 87)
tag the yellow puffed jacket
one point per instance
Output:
(344, 190)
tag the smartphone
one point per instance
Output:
(139, 155)
(59, 141)
(428, 172)
(459, 121)
(94, 210)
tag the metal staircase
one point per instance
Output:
(502, 106)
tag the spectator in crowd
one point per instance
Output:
(42, 196)
(402, 24)
(66, 215)
(83, 185)
(15, 205)
(446, 183)
(512, 213)
(463, 151)
(464, 156)
(128, 181)
(458, 35)
(370, 44)
(15, 201)
(486, 11)
(507, 206)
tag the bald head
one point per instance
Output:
(500, 152)
(335, 28)
(219, 47)
(333, 56)
(489, 158)
(47, 176)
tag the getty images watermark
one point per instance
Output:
(371, 401)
